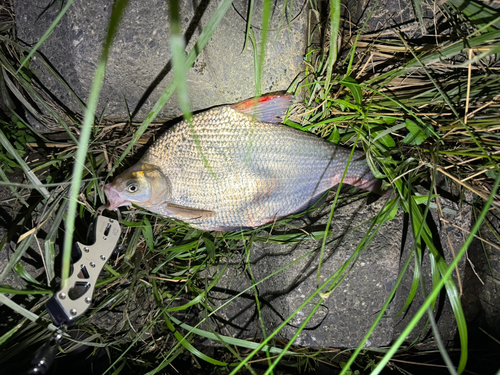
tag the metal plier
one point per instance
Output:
(73, 299)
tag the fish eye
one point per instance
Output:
(132, 188)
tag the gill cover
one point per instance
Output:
(143, 184)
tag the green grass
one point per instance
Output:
(444, 122)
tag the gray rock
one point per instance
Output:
(345, 314)
(449, 235)
(139, 66)
(481, 298)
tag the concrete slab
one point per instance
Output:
(344, 315)
(139, 65)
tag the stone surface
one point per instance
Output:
(482, 287)
(139, 66)
(449, 232)
(345, 314)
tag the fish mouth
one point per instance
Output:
(114, 198)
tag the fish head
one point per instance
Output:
(143, 184)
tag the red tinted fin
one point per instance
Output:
(265, 108)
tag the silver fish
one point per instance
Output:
(235, 167)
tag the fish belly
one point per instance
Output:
(247, 172)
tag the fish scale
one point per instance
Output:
(226, 170)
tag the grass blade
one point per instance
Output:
(26, 169)
(81, 154)
(335, 9)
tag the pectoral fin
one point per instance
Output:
(184, 212)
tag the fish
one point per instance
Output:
(237, 167)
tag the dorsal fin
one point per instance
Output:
(265, 108)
